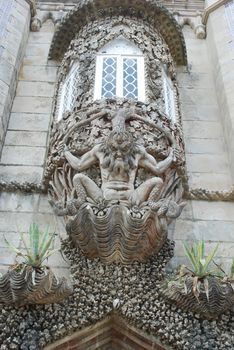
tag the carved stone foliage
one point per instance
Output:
(113, 173)
(30, 286)
(152, 12)
(92, 37)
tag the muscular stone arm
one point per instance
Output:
(83, 163)
(148, 162)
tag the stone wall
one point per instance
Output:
(221, 54)
(24, 151)
(207, 158)
(14, 27)
(25, 146)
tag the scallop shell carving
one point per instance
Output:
(221, 297)
(117, 234)
(30, 286)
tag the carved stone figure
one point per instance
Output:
(119, 158)
(115, 218)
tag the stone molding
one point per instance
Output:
(211, 9)
(190, 193)
(152, 12)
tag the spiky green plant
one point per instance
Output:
(38, 248)
(200, 263)
(200, 266)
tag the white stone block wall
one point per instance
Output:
(14, 27)
(207, 160)
(24, 151)
(220, 41)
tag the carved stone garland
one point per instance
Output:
(117, 200)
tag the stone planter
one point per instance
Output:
(180, 292)
(24, 285)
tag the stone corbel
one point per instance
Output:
(199, 28)
(43, 15)
(35, 24)
(58, 15)
(194, 22)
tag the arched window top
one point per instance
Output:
(120, 46)
(120, 71)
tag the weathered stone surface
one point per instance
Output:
(19, 202)
(22, 155)
(201, 145)
(37, 49)
(32, 73)
(30, 122)
(206, 163)
(213, 210)
(25, 138)
(21, 174)
(37, 89)
(218, 181)
(32, 104)
(202, 129)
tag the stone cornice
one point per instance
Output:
(211, 9)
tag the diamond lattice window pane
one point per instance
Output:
(109, 77)
(130, 78)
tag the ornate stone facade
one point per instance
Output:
(117, 172)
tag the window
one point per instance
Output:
(68, 91)
(120, 71)
(169, 96)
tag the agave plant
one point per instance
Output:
(201, 288)
(30, 282)
(200, 266)
(38, 249)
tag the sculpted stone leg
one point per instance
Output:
(148, 190)
(85, 187)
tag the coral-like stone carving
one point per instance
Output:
(119, 196)
(30, 286)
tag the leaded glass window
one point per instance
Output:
(68, 91)
(120, 71)
(130, 85)
(109, 77)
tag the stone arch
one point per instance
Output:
(152, 12)
(111, 333)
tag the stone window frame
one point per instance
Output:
(169, 96)
(129, 51)
(67, 91)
